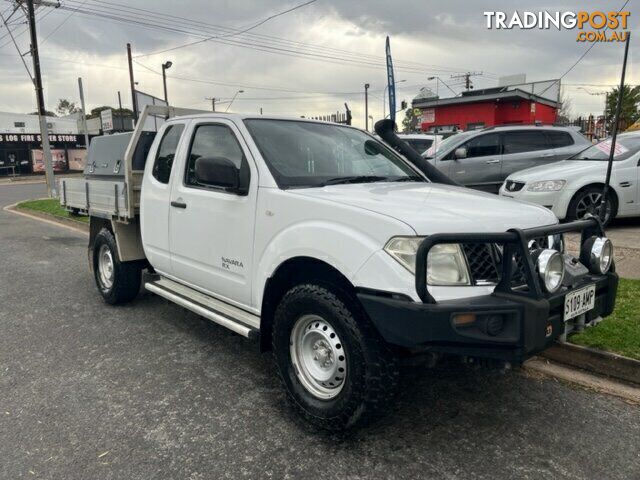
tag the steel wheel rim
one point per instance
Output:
(105, 266)
(318, 357)
(590, 204)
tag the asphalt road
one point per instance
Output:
(150, 391)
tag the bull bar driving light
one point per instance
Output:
(597, 254)
(551, 269)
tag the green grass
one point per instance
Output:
(620, 332)
(51, 206)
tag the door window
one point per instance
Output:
(214, 141)
(559, 139)
(525, 141)
(483, 145)
(166, 153)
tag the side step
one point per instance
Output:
(235, 319)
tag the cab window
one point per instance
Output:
(166, 153)
(214, 140)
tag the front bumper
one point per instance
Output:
(530, 325)
(510, 324)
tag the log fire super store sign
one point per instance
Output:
(34, 137)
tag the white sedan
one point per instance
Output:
(572, 188)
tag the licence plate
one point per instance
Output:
(579, 302)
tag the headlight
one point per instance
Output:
(551, 269)
(445, 263)
(597, 254)
(546, 186)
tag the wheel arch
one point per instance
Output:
(612, 191)
(295, 271)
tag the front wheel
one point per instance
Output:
(336, 369)
(118, 282)
(587, 201)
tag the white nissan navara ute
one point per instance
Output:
(340, 254)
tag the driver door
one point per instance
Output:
(211, 228)
(480, 168)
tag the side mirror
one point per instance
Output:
(217, 172)
(372, 148)
(460, 153)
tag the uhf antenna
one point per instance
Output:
(614, 133)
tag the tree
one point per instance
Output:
(629, 113)
(66, 107)
(410, 121)
(125, 112)
(564, 112)
(47, 113)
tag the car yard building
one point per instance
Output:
(523, 103)
(21, 148)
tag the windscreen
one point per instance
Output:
(626, 146)
(309, 154)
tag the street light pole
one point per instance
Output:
(234, 97)
(366, 107)
(37, 80)
(165, 66)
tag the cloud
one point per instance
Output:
(442, 38)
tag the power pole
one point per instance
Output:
(134, 100)
(467, 78)
(37, 80)
(213, 102)
(366, 106)
(121, 115)
(84, 115)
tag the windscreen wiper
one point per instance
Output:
(354, 179)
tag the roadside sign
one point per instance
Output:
(106, 116)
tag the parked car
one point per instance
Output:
(334, 252)
(573, 188)
(421, 142)
(482, 159)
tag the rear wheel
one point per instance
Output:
(336, 369)
(587, 201)
(118, 282)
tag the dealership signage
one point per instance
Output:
(35, 137)
(106, 116)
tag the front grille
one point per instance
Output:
(485, 265)
(512, 186)
(483, 262)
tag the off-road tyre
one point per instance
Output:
(126, 276)
(372, 372)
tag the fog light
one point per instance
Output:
(597, 254)
(493, 325)
(551, 269)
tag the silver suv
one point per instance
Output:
(482, 159)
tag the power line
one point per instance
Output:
(262, 22)
(191, 22)
(581, 56)
(59, 25)
(119, 15)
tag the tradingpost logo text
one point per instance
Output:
(594, 26)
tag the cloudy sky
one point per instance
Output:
(306, 62)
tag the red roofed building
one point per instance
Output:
(487, 107)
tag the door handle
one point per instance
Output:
(492, 161)
(546, 155)
(179, 204)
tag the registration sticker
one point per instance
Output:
(579, 302)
